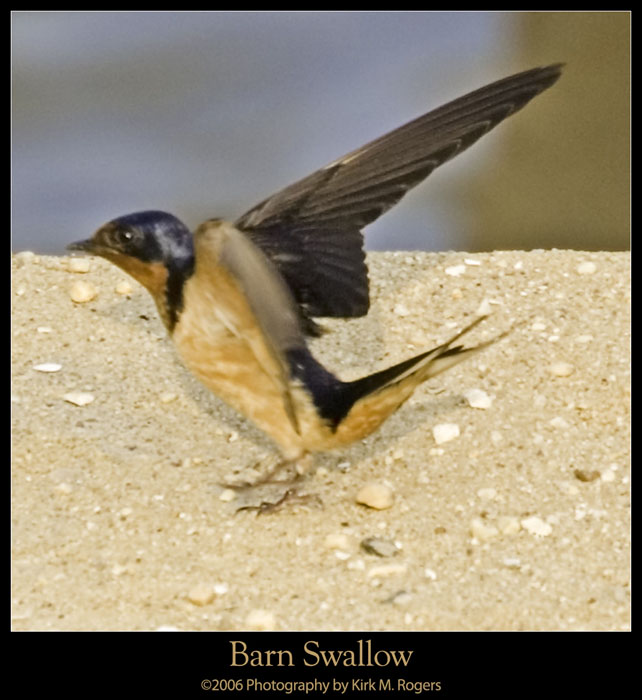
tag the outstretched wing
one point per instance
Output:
(311, 230)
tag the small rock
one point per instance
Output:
(478, 398)
(455, 270)
(375, 495)
(586, 268)
(336, 541)
(444, 432)
(78, 398)
(262, 620)
(78, 265)
(124, 288)
(82, 292)
(481, 531)
(379, 546)
(201, 594)
(536, 526)
(586, 475)
(385, 570)
(558, 422)
(227, 495)
(561, 369)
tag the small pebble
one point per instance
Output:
(470, 261)
(124, 288)
(201, 594)
(558, 422)
(384, 570)
(168, 397)
(227, 495)
(78, 264)
(82, 292)
(536, 526)
(586, 475)
(379, 546)
(48, 367)
(400, 598)
(484, 308)
(401, 310)
(487, 494)
(455, 270)
(586, 268)
(561, 369)
(78, 398)
(481, 531)
(478, 398)
(336, 540)
(44, 329)
(431, 574)
(444, 432)
(262, 620)
(375, 495)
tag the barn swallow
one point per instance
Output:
(239, 299)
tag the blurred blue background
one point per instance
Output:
(205, 114)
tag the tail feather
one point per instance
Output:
(365, 403)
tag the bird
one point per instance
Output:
(239, 299)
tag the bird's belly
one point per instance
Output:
(228, 367)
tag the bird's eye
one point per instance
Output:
(124, 236)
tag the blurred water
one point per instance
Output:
(205, 114)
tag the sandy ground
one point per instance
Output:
(521, 522)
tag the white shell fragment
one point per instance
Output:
(444, 432)
(82, 292)
(536, 526)
(78, 398)
(478, 398)
(455, 270)
(48, 367)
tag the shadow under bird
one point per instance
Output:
(238, 299)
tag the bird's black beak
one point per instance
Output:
(86, 246)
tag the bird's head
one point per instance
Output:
(154, 247)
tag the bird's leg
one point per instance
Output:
(266, 494)
(299, 465)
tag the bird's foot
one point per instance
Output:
(289, 497)
(269, 493)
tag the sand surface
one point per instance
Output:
(521, 522)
